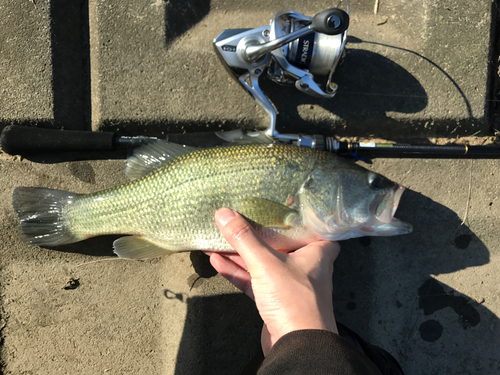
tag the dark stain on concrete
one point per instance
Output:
(431, 330)
(195, 281)
(365, 241)
(83, 171)
(351, 306)
(433, 297)
(72, 284)
(463, 241)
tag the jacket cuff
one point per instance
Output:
(315, 351)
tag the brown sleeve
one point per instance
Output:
(316, 352)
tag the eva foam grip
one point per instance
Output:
(20, 140)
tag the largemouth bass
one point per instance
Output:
(291, 195)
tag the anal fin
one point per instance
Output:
(135, 247)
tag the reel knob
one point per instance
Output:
(331, 21)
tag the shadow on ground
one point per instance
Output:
(182, 15)
(370, 85)
(221, 334)
(70, 50)
(386, 290)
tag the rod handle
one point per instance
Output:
(20, 140)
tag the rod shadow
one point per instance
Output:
(369, 86)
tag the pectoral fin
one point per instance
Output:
(266, 213)
(134, 247)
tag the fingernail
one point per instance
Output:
(224, 216)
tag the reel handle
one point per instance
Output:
(253, 52)
(332, 21)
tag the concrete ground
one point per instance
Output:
(415, 71)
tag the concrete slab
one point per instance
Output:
(26, 91)
(430, 298)
(44, 64)
(124, 317)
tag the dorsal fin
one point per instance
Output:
(153, 155)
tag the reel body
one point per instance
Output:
(292, 50)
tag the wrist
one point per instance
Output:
(309, 321)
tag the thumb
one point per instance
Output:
(243, 238)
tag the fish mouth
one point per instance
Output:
(387, 207)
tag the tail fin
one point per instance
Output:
(42, 215)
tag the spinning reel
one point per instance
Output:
(292, 50)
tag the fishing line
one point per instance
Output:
(462, 94)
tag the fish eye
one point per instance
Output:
(376, 181)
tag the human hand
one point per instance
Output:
(292, 291)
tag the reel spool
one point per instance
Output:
(293, 49)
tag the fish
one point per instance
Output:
(291, 195)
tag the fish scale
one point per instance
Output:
(177, 201)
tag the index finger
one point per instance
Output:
(243, 238)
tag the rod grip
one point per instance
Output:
(19, 140)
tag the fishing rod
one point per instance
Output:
(24, 140)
